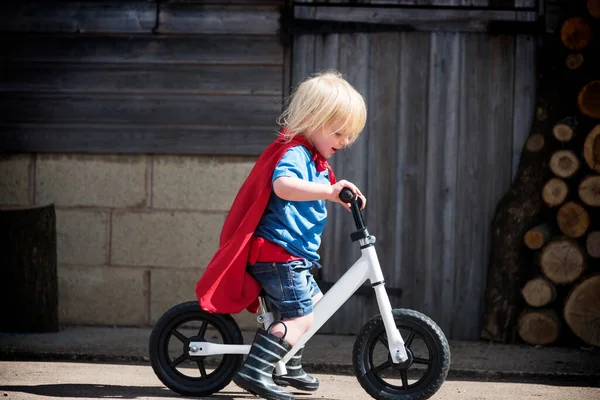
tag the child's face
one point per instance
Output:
(329, 139)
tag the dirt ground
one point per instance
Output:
(29, 380)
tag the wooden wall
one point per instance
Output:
(140, 76)
(448, 114)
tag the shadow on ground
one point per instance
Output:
(82, 390)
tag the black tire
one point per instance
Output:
(169, 345)
(427, 366)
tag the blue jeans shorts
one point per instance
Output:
(289, 286)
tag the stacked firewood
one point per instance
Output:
(562, 298)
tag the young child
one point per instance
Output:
(275, 225)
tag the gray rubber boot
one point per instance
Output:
(296, 376)
(256, 373)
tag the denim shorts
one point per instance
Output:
(289, 286)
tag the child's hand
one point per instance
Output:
(337, 188)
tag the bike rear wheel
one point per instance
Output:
(169, 350)
(417, 378)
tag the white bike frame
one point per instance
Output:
(365, 268)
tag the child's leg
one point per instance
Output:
(295, 328)
(296, 376)
(287, 288)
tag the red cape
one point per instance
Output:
(226, 287)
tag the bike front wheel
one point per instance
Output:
(417, 378)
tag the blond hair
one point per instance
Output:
(323, 99)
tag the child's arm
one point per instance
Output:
(296, 189)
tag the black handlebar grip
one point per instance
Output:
(347, 195)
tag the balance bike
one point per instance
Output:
(399, 354)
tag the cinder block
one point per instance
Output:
(14, 179)
(169, 287)
(164, 239)
(101, 296)
(198, 183)
(81, 237)
(91, 180)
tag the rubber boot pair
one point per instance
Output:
(256, 373)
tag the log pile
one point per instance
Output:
(544, 275)
(561, 298)
(564, 291)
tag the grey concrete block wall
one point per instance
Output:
(134, 232)
(199, 183)
(91, 180)
(14, 179)
(81, 236)
(184, 239)
(102, 295)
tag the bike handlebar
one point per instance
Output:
(348, 196)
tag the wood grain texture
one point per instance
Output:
(441, 165)
(438, 161)
(523, 92)
(411, 169)
(78, 17)
(141, 79)
(207, 49)
(101, 67)
(581, 310)
(134, 138)
(415, 18)
(138, 109)
(218, 19)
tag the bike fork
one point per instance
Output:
(395, 341)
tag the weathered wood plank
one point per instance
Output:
(442, 148)
(484, 169)
(524, 96)
(410, 185)
(130, 138)
(524, 92)
(471, 225)
(78, 17)
(421, 19)
(215, 19)
(499, 164)
(383, 149)
(150, 78)
(439, 3)
(350, 164)
(204, 110)
(210, 49)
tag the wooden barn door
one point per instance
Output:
(447, 115)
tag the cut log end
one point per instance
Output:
(573, 220)
(562, 261)
(574, 61)
(538, 292)
(536, 237)
(591, 149)
(554, 192)
(581, 310)
(535, 143)
(564, 163)
(575, 33)
(592, 244)
(593, 7)
(589, 190)
(563, 132)
(539, 327)
(588, 99)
